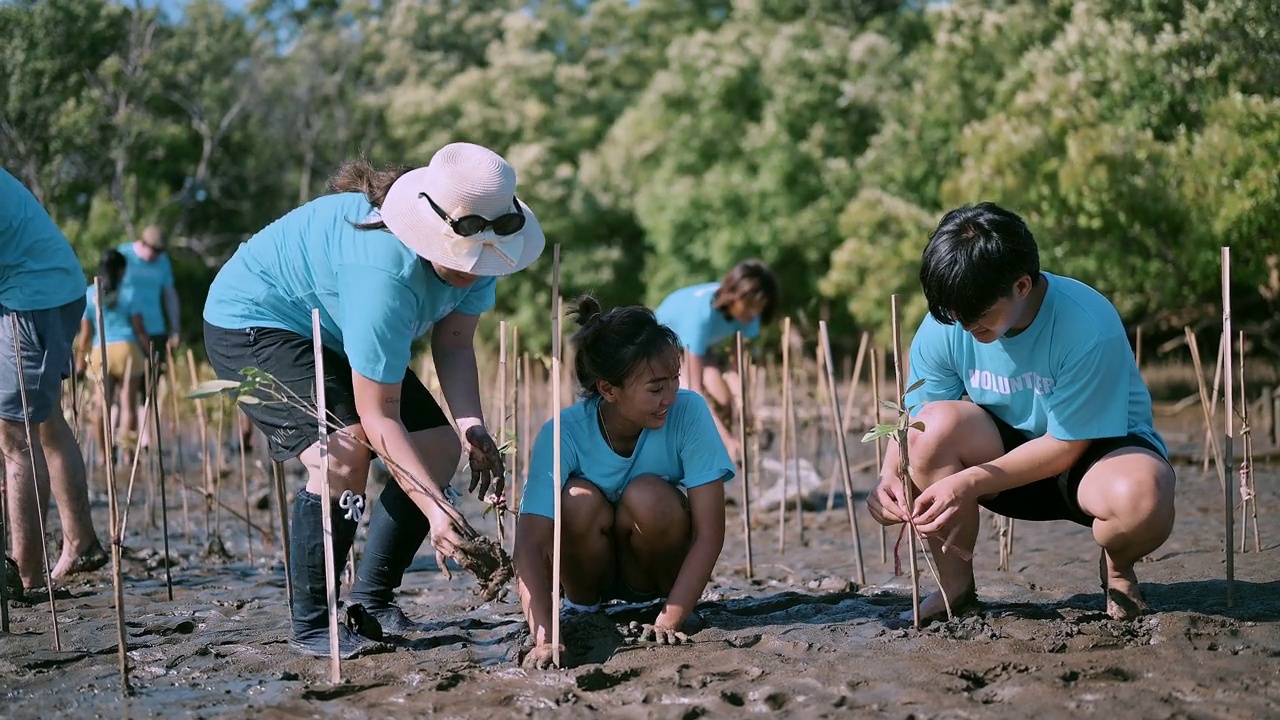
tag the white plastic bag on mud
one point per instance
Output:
(813, 491)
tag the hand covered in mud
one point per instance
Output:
(485, 461)
(449, 532)
(540, 657)
(885, 503)
(657, 634)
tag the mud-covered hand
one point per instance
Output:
(485, 461)
(450, 532)
(657, 634)
(541, 657)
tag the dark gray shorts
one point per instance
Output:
(45, 338)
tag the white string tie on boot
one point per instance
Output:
(353, 504)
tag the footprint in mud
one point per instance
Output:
(598, 679)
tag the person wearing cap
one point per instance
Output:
(703, 316)
(388, 257)
(149, 278)
(42, 299)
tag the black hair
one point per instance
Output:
(748, 280)
(111, 269)
(972, 260)
(610, 346)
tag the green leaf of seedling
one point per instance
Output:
(915, 386)
(249, 400)
(917, 426)
(891, 405)
(878, 432)
(211, 388)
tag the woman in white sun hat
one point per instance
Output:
(388, 257)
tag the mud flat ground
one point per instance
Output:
(800, 640)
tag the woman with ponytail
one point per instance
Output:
(642, 475)
(126, 340)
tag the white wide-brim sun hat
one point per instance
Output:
(463, 179)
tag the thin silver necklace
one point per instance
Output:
(604, 427)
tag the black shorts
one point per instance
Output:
(1055, 498)
(288, 357)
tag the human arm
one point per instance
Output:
(453, 352)
(706, 510)
(140, 332)
(84, 341)
(533, 548)
(698, 365)
(172, 311)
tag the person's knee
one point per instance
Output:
(13, 441)
(441, 449)
(348, 462)
(587, 513)
(652, 507)
(935, 446)
(1142, 502)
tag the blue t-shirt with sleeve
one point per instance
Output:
(374, 294)
(686, 450)
(117, 318)
(699, 326)
(1071, 374)
(147, 281)
(38, 268)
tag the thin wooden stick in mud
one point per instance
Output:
(4, 563)
(746, 461)
(218, 439)
(1248, 494)
(244, 489)
(277, 478)
(785, 434)
(35, 483)
(1137, 348)
(856, 378)
(326, 505)
(512, 491)
(499, 518)
(205, 468)
(1228, 459)
(177, 439)
(153, 373)
(113, 508)
(875, 402)
(842, 449)
(1194, 347)
(133, 473)
(904, 462)
(254, 527)
(795, 460)
(526, 420)
(557, 513)
(1210, 435)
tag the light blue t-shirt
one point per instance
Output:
(147, 281)
(686, 450)
(38, 268)
(1071, 374)
(699, 326)
(374, 294)
(117, 318)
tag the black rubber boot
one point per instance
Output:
(396, 531)
(310, 605)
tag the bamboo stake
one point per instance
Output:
(153, 373)
(785, 435)
(904, 465)
(218, 439)
(842, 448)
(1194, 347)
(205, 468)
(244, 489)
(177, 436)
(746, 461)
(133, 471)
(1228, 458)
(1248, 494)
(558, 510)
(513, 491)
(277, 476)
(499, 517)
(35, 482)
(1210, 436)
(326, 505)
(856, 378)
(1137, 352)
(122, 643)
(875, 402)
(526, 417)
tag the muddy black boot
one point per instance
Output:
(310, 606)
(396, 531)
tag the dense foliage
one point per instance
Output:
(662, 140)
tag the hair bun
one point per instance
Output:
(586, 309)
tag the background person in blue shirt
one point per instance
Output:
(126, 339)
(627, 447)
(42, 289)
(704, 316)
(389, 257)
(150, 280)
(1060, 424)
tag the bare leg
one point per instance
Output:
(24, 512)
(81, 551)
(587, 550)
(654, 532)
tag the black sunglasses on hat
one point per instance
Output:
(468, 225)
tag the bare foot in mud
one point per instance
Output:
(69, 565)
(934, 607)
(1120, 588)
